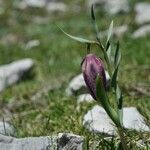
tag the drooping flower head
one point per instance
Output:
(91, 67)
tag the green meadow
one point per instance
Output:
(57, 60)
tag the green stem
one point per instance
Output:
(104, 101)
(106, 58)
(122, 139)
(112, 114)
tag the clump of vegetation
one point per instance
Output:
(47, 114)
(95, 78)
(93, 69)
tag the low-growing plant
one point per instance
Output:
(93, 69)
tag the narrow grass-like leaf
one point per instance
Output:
(92, 12)
(95, 24)
(119, 98)
(109, 33)
(114, 78)
(109, 53)
(82, 40)
(116, 63)
(107, 46)
(117, 55)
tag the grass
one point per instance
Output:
(57, 60)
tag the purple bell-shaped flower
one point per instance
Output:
(91, 67)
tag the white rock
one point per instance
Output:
(56, 6)
(142, 31)
(132, 119)
(97, 120)
(49, 5)
(62, 141)
(30, 143)
(31, 3)
(85, 98)
(110, 6)
(117, 31)
(6, 128)
(13, 72)
(68, 141)
(31, 44)
(117, 6)
(77, 83)
(142, 13)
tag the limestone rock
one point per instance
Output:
(96, 120)
(132, 119)
(110, 6)
(85, 98)
(70, 141)
(77, 84)
(49, 5)
(142, 12)
(62, 141)
(29, 143)
(6, 128)
(32, 44)
(56, 6)
(117, 31)
(141, 32)
(14, 72)
(31, 3)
